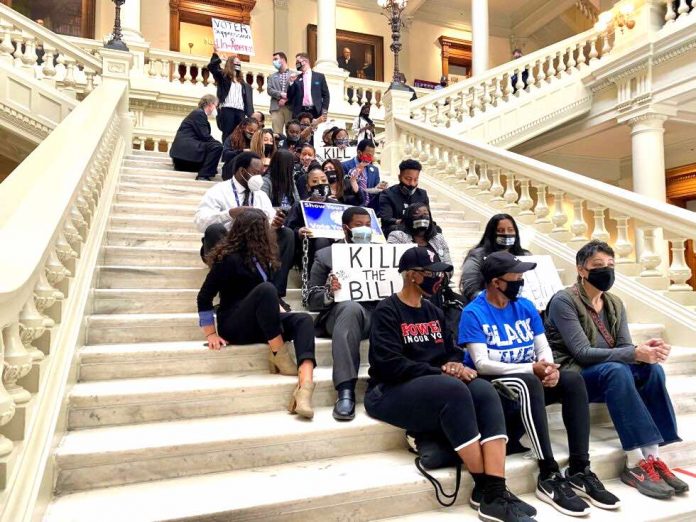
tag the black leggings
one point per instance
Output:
(533, 399)
(465, 413)
(257, 319)
(228, 119)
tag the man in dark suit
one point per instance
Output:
(308, 92)
(394, 201)
(194, 149)
(347, 63)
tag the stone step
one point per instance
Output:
(159, 300)
(358, 487)
(144, 328)
(154, 154)
(118, 455)
(151, 399)
(149, 163)
(154, 238)
(129, 277)
(137, 223)
(163, 178)
(162, 359)
(153, 256)
(634, 506)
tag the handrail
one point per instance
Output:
(46, 35)
(621, 201)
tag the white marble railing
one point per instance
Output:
(43, 54)
(677, 10)
(45, 220)
(555, 202)
(506, 83)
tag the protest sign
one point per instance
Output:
(541, 283)
(367, 272)
(232, 37)
(325, 220)
(341, 154)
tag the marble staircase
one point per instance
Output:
(161, 428)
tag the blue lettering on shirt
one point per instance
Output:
(508, 332)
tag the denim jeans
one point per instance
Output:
(638, 402)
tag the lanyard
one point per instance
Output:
(262, 272)
(236, 196)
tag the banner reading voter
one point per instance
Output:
(232, 37)
(541, 283)
(367, 272)
(326, 220)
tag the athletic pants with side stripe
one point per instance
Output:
(533, 399)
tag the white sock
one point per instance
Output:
(651, 450)
(633, 457)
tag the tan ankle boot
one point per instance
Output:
(301, 402)
(281, 362)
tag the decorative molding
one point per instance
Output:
(457, 51)
(159, 106)
(648, 116)
(674, 53)
(280, 4)
(24, 122)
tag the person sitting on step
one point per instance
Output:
(263, 144)
(318, 190)
(506, 344)
(306, 157)
(501, 234)
(239, 140)
(242, 265)
(588, 333)
(347, 322)
(394, 200)
(418, 383)
(278, 182)
(223, 202)
(193, 148)
(345, 188)
(367, 172)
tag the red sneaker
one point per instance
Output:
(647, 480)
(669, 477)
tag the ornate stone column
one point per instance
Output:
(280, 27)
(479, 36)
(326, 37)
(130, 21)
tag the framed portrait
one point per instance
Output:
(362, 55)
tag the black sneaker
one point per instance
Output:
(476, 498)
(284, 305)
(587, 485)
(502, 510)
(527, 509)
(556, 491)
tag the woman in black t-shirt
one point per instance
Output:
(241, 266)
(418, 383)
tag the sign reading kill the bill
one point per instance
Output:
(367, 272)
(541, 283)
(231, 37)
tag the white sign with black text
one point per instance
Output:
(541, 283)
(231, 37)
(341, 154)
(367, 272)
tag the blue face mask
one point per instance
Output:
(361, 235)
(276, 64)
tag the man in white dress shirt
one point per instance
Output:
(226, 200)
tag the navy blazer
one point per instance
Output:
(371, 170)
(320, 94)
(223, 84)
(189, 141)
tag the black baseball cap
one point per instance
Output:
(421, 257)
(503, 262)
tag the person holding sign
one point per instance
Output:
(242, 265)
(418, 383)
(588, 332)
(347, 322)
(506, 344)
(501, 234)
(235, 95)
(394, 201)
(308, 91)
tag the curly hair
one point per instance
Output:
(252, 238)
(238, 141)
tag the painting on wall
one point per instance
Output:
(362, 55)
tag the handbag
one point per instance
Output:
(435, 452)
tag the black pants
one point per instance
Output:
(465, 413)
(257, 319)
(533, 399)
(310, 110)
(206, 168)
(228, 119)
(286, 251)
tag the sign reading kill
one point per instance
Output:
(232, 37)
(367, 272)
(341, 154)
(541, 283)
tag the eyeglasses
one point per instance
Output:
(428, 273)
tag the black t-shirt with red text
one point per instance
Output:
(408, 342)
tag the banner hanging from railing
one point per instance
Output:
(232, 37)
(325, 220)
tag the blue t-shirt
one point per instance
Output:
(508, 332)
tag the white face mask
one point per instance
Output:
(361, 235)
(255, 183)
(214, 114)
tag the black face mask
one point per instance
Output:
(293, 139)
(267, 149)
(248, 135)
(431, 285)
(513, 289)
(331, 174)
(298, 66)
(601, 278)
(320, 191)
(407, 190)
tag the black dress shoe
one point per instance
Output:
(284, 305)
(345, 406)
(203, 178)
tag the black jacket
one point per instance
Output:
(320, 94)
(189, 141)
(393, 203)
(223, 85)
